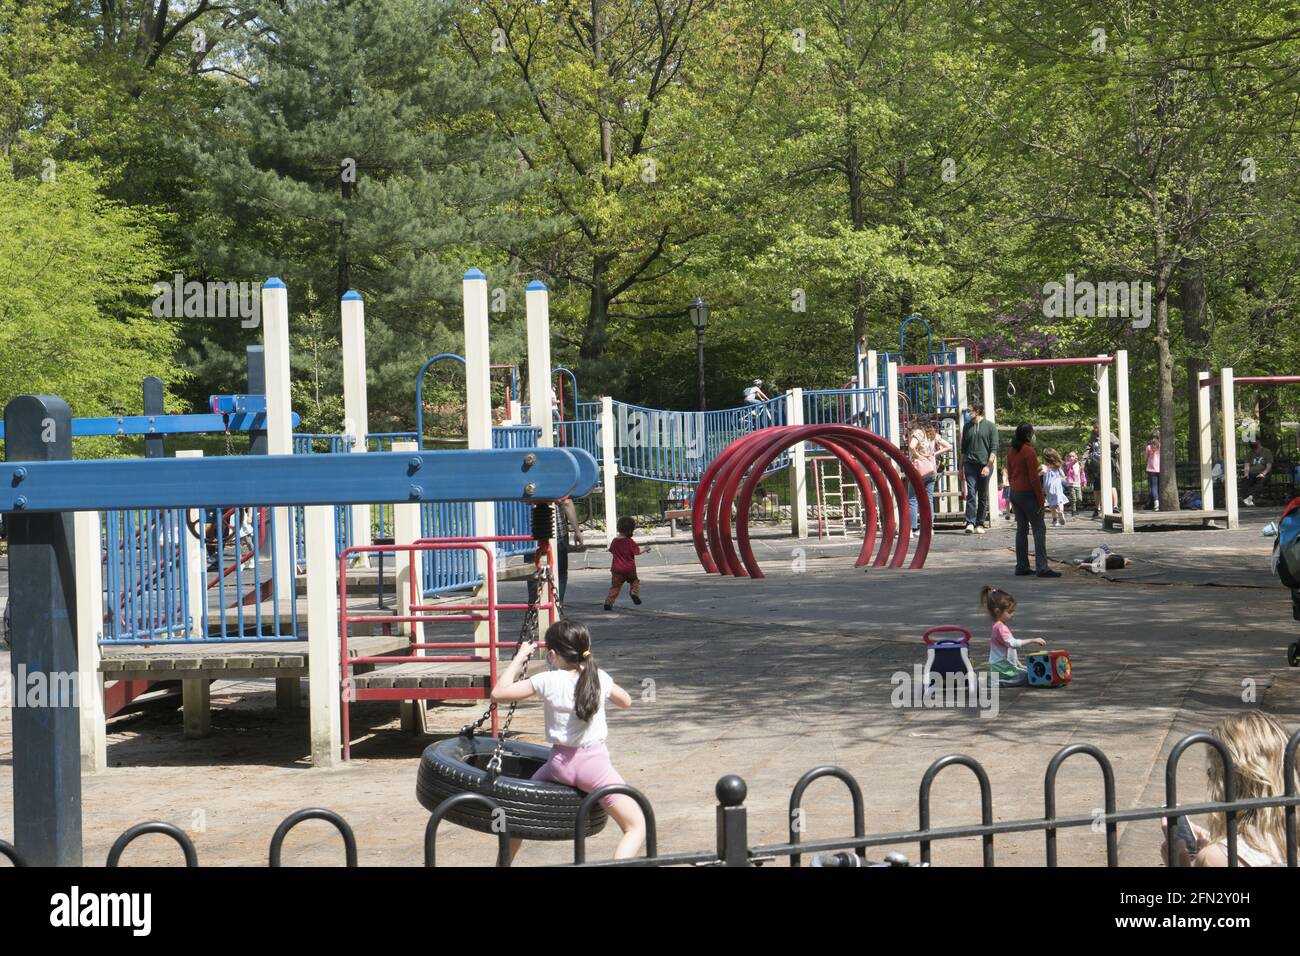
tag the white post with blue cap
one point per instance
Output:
(356, 407)
(279, 422)
(538, 309)
(478, 415)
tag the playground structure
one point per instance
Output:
(1228, 408)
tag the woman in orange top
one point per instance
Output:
(1027, 502)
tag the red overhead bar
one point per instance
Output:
(1018, 363)
(1255, 380)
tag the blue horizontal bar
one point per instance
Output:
(229, 404)
(332, 479)
(166, 425)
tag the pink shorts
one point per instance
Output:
(584, 768)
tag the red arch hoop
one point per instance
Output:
(874, 463)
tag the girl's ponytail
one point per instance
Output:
(996, 601)
(586, 695)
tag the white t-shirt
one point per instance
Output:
(563, 726)
(752, 395)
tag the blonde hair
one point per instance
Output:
(1256, 741)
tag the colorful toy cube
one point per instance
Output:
(1048, 668)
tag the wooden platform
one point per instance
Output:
(440, 674)
(236, 660)
(1169, 519)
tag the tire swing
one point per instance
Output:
(500, 769)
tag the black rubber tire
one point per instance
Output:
(534, 810)
(1293, 654)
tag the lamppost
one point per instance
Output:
(699, 313)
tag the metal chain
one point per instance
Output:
(530, 629)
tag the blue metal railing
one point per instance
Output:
(678, 446)
(147, 589)
(926, 394)
(582, 431)
(863, 407)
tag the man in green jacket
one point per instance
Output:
(979, 446)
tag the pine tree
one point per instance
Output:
(360, 155)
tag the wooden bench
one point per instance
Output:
(673, 517)
(197, 665)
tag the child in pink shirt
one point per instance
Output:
(1153, 472)
(1004, 662)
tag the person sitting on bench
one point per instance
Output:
(1255, 471)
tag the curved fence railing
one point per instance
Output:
(677, 447)
(581, 431)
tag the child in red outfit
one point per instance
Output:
(623, 569)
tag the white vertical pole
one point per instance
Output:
(951, 488)
(478, 418)
(995, 475)
(1125, 442)
(279, 422)
(539, 361)
(891, 402)
(872, 369)
(406, 529)
(609, 464)
(356, 405)
(324, 687)
(1228, 403)
(798, 467)
(538, 312)
(196, 569)
(1103, 425)
(89, 549)
(1206, 439)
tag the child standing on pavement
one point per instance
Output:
(1054, 495)
(623, 568)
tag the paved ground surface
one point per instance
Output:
(769, 678)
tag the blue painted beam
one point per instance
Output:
(523, 474)
(230, 404)
(201, 424)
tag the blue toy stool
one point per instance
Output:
(949, 655)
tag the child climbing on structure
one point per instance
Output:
(1004, 662)
(623, 569)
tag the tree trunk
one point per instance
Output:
(858, 217)
(1197, 340)
(594, 335)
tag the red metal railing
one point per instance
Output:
(422, 615)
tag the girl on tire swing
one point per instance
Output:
(573, 695)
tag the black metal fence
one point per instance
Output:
(733, 848)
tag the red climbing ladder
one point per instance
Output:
(465, 669)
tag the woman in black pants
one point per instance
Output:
(1027, 502)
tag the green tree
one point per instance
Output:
(76, 271)
(359, 155)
